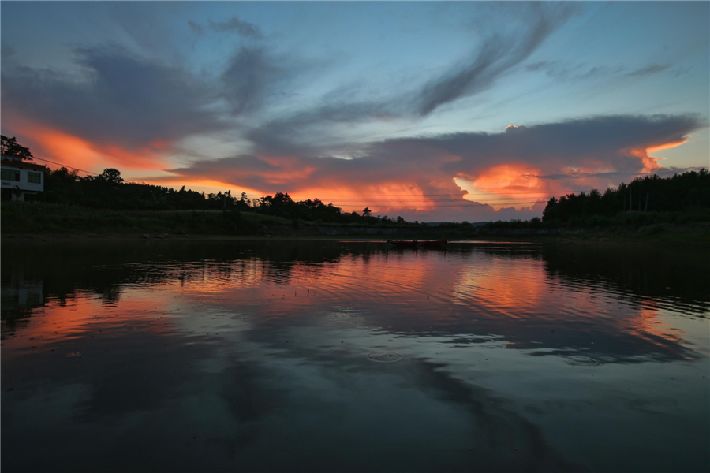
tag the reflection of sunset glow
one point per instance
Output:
(505, 185)
(649, 325)
(502, 287)
(249, 281)
(208, 279)
(82, 314)
(508, 296)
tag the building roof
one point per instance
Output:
(8, 162)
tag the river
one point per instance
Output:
(353, 356)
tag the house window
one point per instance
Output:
(10, 175)
(34, 177)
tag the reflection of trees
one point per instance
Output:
(104, 267)
(677, 279)
(483, 291)
(573, 320)
(19, 297)
(674, 279)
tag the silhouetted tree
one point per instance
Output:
(681, 192)
(10, 147)
(111, 176)
(108, 190)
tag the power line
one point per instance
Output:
(462, 205)
(423, 199)
(65, 165)
(422, 195)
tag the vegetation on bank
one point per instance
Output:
(650, 203)
(108, 191)
(25, 219)
(681, 198)
(29, 218)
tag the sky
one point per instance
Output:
(432, 111)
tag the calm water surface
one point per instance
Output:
(352, 356)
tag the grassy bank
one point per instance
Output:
(27, 218)
(45, 218)
(42, 220)
(677, 236)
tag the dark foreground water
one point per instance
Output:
(327, 356)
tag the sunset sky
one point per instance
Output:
(432, 111)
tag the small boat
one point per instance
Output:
(418, 243)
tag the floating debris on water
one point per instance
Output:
(384, 356)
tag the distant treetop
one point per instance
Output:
(11, 148)
(680, 192)
(111, 176)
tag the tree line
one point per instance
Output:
(686, 192)
(109, 191)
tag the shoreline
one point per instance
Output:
(84, 236)
(45, 222)
(683, 236)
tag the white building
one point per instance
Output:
(20, 178)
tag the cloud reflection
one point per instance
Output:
(527, 296)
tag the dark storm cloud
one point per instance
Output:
(431, 162)
(606, 139)
(126, 99)
(618, 175)
(307, 131)
(535, 161)
(238, 26)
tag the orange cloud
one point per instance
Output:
(379, 197)
(505, 185)
(462, 176)
(57, 145)
(284, 170)
(650, 163)
(200, 185)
